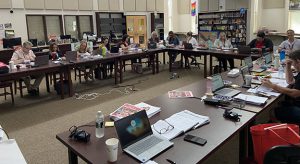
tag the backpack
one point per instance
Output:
(3, 68)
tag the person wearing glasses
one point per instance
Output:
(291, 44)
(25, 55)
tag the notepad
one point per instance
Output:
(250, 99)
(178, 123)
(10, 152)
(150, 110)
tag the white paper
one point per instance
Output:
(193, 116)
(181, 123)
(150, 162)
(10, 153)
(252, 99)
(275, 75)
(280, 82)
(170, 134)
(150, 110)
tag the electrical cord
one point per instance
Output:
(5, 132)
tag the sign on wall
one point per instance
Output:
(294, 5)
(194, 12)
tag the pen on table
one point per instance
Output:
(172, 162)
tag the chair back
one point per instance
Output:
(287, 154)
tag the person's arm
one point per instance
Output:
(281, 46)
(288, 72)
(269, 44)
(294, 93)
(16, 59)
(31, 56)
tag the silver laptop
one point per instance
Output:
(71, 56)
(249, 63)
(137, 139)
(245, 71)
(218, 87)
(41, 60)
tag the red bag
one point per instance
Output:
(3, 68)
(265, 136)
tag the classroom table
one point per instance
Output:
(217, 132)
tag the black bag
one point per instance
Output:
(3, 68)
(57, 87)
(100, 73)
(114, 49)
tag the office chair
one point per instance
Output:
(4, 85)
(283, 154)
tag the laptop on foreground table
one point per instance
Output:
(137, 139)
(218, 87)
(249, 63)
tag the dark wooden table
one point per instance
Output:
(217, 132)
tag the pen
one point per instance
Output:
(172, 162)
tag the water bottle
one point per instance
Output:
(276, 61)
(99, 125)
(280, 72)
(282, 56)
(209, 85)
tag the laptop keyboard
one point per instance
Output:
(225, 91)
(141, 147)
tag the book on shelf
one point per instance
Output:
(128, 109)
(180, 94)
(178, 123)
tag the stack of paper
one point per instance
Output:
(150, 110)
(178, 123)
(275, 75)
(280, 82)
(10, 152)
(124, 111)
(180, 94)
(250, 99)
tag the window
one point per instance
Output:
(294, 21)
(75, 25)
(40, 27)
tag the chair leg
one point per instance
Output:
(15, 85)
(75, 72)
(5, 93)
(79, 76)
(12, 94)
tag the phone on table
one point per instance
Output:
(195, 140)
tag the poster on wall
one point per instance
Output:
(193, 12)
(294, 4)
(1, 27)
(7, 25)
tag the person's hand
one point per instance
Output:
(288, 62)
(267, 83)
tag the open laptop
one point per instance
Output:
(268, 59)
(41, 60)
(245, 71)
(218, 87)
(137, 139)
(244, 49)
(188, 46)
(248, 62)
(71, 56)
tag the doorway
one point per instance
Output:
(137, 29)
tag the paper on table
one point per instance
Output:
(169, 134)
(280, 82)
(275, 75)
(150, 110)
(257, 100)
(193, 116)
(150, 162)
(181, 123)
(10, 152)
(264, 90)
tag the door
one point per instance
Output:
(137, 29)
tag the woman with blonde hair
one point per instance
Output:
(223, 43)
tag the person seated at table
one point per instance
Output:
(172, 40)
(190, 39)
(154, 38)
(291, 44)
(54, 52)
(125, 45)
(289, 110)
(104, 47)
(223, 43)
(23, 56)
(261, 43)
(82, 52)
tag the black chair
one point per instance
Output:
(4, 85)
(283, 154)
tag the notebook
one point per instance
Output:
(249, 63)
(137, 139)
(71, 56)
(218, 87)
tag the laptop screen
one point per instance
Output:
(133, 128)
(217, 82)
(268, 58)
(245, 71)
(248, 62)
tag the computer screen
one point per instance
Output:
(65, 36)
(133, 128)
(217, 82)
(34, 42)
(10, 43)
(248, 62)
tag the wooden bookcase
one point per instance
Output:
(233, 23)
(157, 24)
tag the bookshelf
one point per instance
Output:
(233, 23)
(157, 24)
(110, 21)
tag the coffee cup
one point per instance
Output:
(11, 65)
(112, 149)
(248, 79)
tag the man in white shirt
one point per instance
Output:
(23, 55)
(291, 44)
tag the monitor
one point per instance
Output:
(10, 43)
(65, 36)
(34, 42)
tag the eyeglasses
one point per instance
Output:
(165, 129)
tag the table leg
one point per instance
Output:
(70, 82)
(47, 83)
(72, 157)
(181, 60)
(170, 62)
(243, 144)
(121, 72)
(152, 57)
(205, 66)
(157, 62)
(62, 89)
(164, 57)
(116, 71)
(210, 65)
